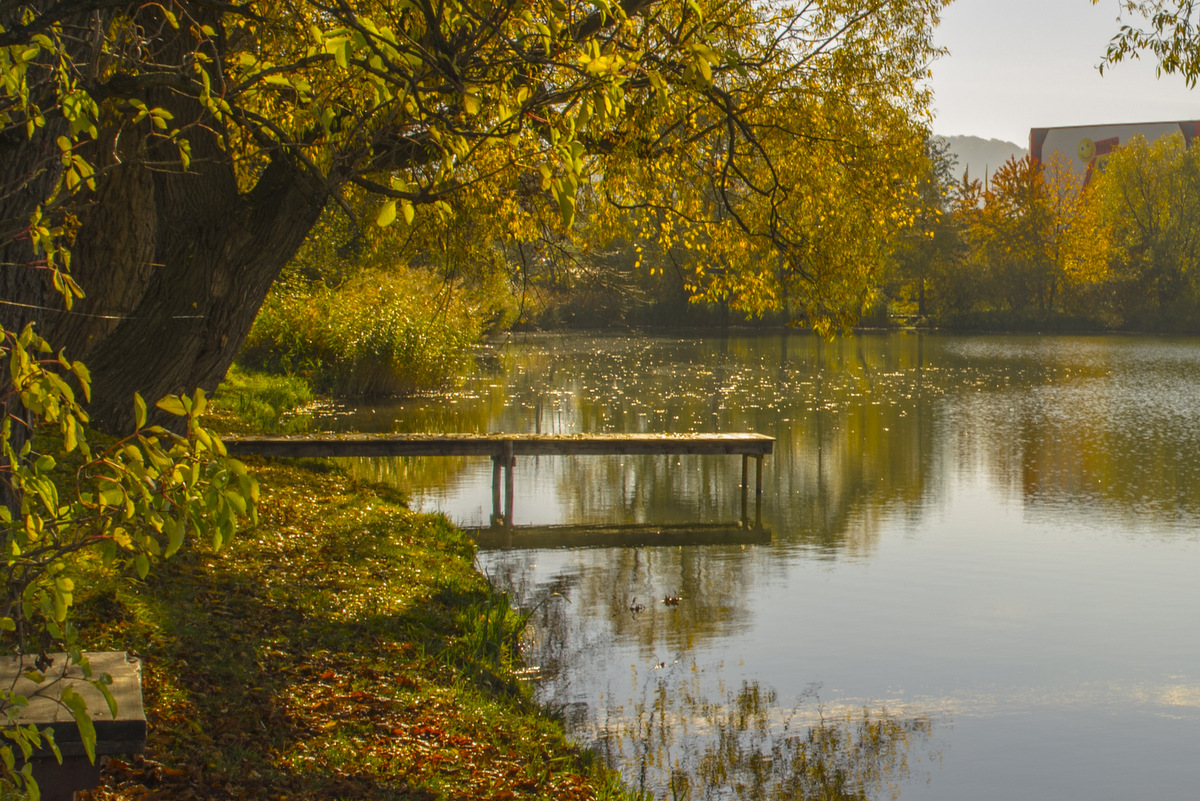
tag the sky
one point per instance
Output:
(1021, 64)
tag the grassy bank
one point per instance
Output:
(344, 648)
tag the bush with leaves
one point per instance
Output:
(131, 501)
(366, 337)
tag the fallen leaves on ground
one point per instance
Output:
(309, 661)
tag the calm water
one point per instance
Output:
(982, 579)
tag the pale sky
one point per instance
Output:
(1021, 64)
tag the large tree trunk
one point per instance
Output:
(21, 285)
(217, 253)
(177, 262)
(113, 253)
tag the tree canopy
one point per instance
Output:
(169, 158)
(1168, 29)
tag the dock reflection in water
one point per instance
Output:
(617, 536)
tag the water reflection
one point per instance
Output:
(675, 733)
(864, 424)
(626, 596)
(620, 536)
(998, 533)
(746, 746)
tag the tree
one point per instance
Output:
(216, 134)
(1169, 29)
(929, 253)
(1019, 231)
(1148, 203)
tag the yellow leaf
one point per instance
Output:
(387, 214)
(172, 405)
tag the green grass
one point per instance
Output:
(250, 401)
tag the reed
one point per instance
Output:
(377, 334)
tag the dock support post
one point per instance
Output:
(758, 491)
(510, 462)
(497, 511)
(745, 489)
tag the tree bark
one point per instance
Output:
(217, 253)
(178, 262)
(21, 288)
(113, 253)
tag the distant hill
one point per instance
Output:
(981, 156)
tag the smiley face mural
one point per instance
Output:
(1086, 148)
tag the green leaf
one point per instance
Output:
(112, 495)
(139, 411)
(121, 537)
(387, 214)
(141, 563)
(70, 433)
(175, 531)
(87, 730)
(48, 739)
(101, 684)
(566, 207)
(199, 401)
(236, 500)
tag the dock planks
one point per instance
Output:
(504, 448)
(495, 444)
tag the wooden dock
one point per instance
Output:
(504, 448)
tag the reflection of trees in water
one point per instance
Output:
(672, 598)
(673, 737)
(867, 426)
(1093, 424)
(849, 417)
(670, 737)
(549, 641)
(407, 472)
(466, 411)
(713, 590)
(654, 489)
(675, 743)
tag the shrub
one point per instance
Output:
(377, 334)
(261, 403)
(68, 504)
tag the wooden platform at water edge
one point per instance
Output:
(504, 448)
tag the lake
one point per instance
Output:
(979, 576)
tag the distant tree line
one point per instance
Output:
(1033, 249)
(1036, 249)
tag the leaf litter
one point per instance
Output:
(319, 656)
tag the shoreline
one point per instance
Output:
(345, 647)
